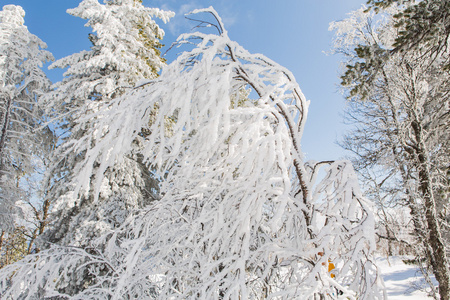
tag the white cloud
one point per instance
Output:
(179, 24)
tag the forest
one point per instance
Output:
(139, 177)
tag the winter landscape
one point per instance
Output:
(173, 166)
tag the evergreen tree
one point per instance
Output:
(124, 52)
(423, 26)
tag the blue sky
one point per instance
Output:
(293, 33)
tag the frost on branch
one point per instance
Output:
(22, 55)
(241, 216)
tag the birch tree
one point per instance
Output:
(241, 215)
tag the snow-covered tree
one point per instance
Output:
(125, 51)
(398, 100)
(241, 215)
(422, 25)
(22, 81)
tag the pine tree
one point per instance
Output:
(124, 52)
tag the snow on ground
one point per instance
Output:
(402, 281)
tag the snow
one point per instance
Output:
(402, 281)
(204, 233)
(219, 227)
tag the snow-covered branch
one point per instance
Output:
(239, 215)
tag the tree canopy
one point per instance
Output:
(239, 213)
(22, 55)
(396, 81)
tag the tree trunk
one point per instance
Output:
(2, 237)
(4, 123)
(438, 258)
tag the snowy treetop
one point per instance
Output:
(12, 14)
